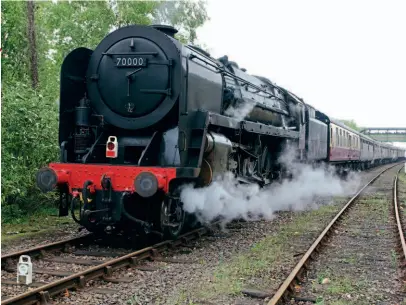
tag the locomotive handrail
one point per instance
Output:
(89, 153)
(131, 53)
(245, 82)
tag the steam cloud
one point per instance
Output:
(240, 111)
(227, 199)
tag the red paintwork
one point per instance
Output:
(344, 154)
(110, 154)
(122, 177)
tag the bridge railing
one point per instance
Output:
(386, 134)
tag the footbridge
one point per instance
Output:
(386, 134)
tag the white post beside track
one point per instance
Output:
(24, 270)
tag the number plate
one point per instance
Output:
(131, 61)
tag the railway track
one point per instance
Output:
(101, 268)
(287, 291)
(399, 222)
(39, 250)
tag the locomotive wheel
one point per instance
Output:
(172, 218)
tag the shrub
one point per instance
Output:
(29, 141)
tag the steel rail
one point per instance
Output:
(47, 247)
(397, 214)
(78, 280)
(287, 285)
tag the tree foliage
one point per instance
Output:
(14, 41)
(32, 43)
(186, 16)
(29, 141)
(352, 124)
(30, 117)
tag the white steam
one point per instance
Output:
(227, 199)
(241, 111)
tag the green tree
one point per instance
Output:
(352, 124)
(32, 42)
(131, 12)
(14, 41)
(186, 16)
(65, 26)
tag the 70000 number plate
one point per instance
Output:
(130, 61)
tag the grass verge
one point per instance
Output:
(260, 266)
(42, 222)
(402, 188)
(342, 278)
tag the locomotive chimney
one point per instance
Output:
(166, 29)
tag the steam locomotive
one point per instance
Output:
(143, 114)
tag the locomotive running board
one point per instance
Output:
(228, 122)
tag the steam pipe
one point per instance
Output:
(143, 224)
(72, 209)
(126, 214)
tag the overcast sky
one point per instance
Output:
(346, 58)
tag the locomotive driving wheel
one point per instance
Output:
(172, 218)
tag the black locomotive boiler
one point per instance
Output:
(143, 114)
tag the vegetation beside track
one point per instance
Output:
(346, 274)
(42, 223)
(259, 268)
(268, 261)
(402, 190)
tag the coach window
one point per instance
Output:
(343, 138)
(337, 137)
(331, 136)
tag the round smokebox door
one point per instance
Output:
(131, 81)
